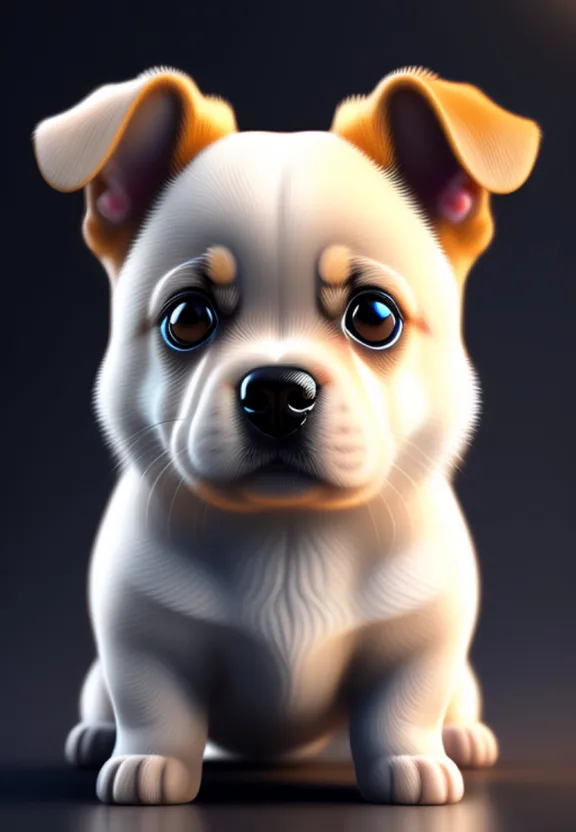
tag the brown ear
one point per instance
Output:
(451, 145)
(120, 144)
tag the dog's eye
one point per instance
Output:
(373, 319)
(188, 321)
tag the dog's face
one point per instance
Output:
(289, 324)
(286, 319)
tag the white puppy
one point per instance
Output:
(287, 391)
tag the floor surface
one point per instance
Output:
(235, 799)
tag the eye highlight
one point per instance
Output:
(372, 318)
(188, 321)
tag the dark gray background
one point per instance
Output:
(285, 67)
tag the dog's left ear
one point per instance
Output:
(122, 144)
(452, 147)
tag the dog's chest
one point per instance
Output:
(292, 593)
(283, 653)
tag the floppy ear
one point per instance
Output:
(121, 144)
(452, 147)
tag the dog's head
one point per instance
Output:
(286, 308)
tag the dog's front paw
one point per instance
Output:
(147, 779)
(411, 780)
(470, 746)
(90, 745)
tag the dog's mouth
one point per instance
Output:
(278, 484)
(279, 478)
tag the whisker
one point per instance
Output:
(141, 457)
(376, 529)
(155, 483)
(392, 518)
(423, 465)
(181, 482)
(404, 503)
(457, 464)
(172, 504)
(458, 457)
(124, 455)
(158, 456)
(404, 474)
(133, 439)
(420, 450)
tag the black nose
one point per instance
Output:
(278, 400)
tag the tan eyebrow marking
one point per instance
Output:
(220, 265)
(335, 265)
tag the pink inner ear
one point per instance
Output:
(456, 200)
(130, 185)
(132, 178)
(114, 203)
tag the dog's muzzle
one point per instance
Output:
(278, 400)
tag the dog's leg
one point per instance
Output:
(156, 684)
(91, 742)
(396, 732)
(467, 741)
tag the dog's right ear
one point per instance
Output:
(451, 145)
(121, 144)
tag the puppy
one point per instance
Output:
(284, 563)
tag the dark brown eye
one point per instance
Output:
(189, 321)
(373, 319)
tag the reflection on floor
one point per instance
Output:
(304, 799)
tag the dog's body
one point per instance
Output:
(267, 609)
